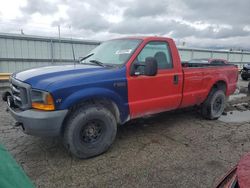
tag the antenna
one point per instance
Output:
(72, 46)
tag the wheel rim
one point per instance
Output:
(218, 104)
(91, 132)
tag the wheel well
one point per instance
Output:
(107, 103)
(221, 85)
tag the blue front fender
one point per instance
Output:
(95, 93)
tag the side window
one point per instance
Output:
(160, 51)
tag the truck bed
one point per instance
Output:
(198, 81)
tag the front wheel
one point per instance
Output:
(214, 105)
(90, 131)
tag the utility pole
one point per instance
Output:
(59, 35)
(72, 46)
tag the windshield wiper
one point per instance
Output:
(97, 62)
(83, 58)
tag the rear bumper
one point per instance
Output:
(40, 123)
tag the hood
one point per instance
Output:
(41, 78)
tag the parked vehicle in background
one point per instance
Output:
(245, 72)
(205, 62)
(238, 177)
(211, 61)
(120, 80)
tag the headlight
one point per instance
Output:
(42, 100)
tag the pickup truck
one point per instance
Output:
(245, 72)
(120, 80)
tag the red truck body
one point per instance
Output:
(149, 95)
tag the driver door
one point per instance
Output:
(153, 94)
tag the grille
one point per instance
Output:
(20, 93)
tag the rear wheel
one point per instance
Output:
(214, 105)
(90, 131)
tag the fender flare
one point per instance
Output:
(96, 93)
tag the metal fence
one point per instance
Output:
(19, 52)
(235, 57)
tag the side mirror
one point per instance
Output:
(151, 66)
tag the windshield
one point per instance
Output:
(113, 52)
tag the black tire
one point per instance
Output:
(249, 87)
(214, 105)
(89, 131)
(244, 78)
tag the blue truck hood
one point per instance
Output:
(41, 78)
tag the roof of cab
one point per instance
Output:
(145, 37)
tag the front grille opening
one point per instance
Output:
(20, 95)
(16, 93)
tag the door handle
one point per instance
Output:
(176, 79)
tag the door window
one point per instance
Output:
(160, 51)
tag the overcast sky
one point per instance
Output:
(197, 23)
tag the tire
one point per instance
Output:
(214, 105)
(89, 131)
(244, 78)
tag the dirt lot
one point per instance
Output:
(177, 149)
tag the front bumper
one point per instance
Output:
(40, 123)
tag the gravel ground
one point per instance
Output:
(177, 149)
